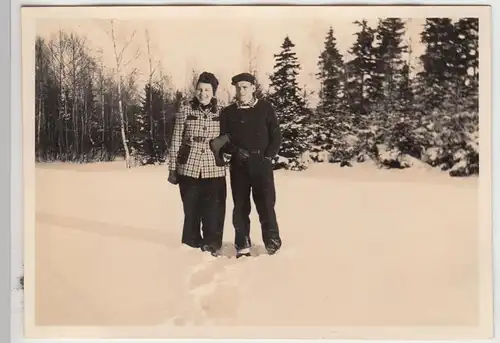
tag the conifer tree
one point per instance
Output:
(446, 91)
(438, 59)
(466, 63)
(331, 69)
(332, 121)
(395, 94)
(405, 89)
(146, 145)
(360, 70)
(362, 90)
(389, 62)
(285, 96)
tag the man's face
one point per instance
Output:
(244, 91)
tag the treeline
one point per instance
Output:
(373, 105)
(88, 112)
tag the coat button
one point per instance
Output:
(204, 128)
(202, 151)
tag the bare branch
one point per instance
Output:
(148, 45)
(114, 44)
(126, 45)
(134, 58)
(134, 72)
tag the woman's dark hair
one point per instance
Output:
(210, 78)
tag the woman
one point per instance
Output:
(193, 167)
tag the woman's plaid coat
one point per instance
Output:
(190, 153)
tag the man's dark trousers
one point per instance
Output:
(255, 176)
(204, 203)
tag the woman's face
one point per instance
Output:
(204, 93)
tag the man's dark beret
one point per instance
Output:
(210, 78)
(243, 77)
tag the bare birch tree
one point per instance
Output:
(251, 53)
(120, 64)
(150, 102)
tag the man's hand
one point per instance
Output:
(172, 177)
(243, 155)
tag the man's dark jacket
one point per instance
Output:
(255, 129)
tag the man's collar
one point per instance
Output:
(251, 104)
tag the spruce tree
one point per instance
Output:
(434, 84)
(395, 96)
(405, 89)
(438, 59)
(466, 69)
(405, 130)
(331, 69)
(466, 116)
(444, 89)
(362, 90)
(332, 122)
(285, 96)
(144, 143)
(360, 70)
(389, 62)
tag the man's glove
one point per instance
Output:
(172, 177)
(242, 154)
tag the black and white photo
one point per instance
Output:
(257, 172)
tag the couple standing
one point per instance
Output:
(248, 131)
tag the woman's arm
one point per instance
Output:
(177, 137)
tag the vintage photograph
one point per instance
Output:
(198, 170)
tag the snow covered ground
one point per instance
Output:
(360, 247)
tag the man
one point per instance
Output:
(254, 140)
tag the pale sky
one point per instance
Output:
(214, 42)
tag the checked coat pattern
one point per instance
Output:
(190, 153)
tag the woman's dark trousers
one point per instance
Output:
(204, 202)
